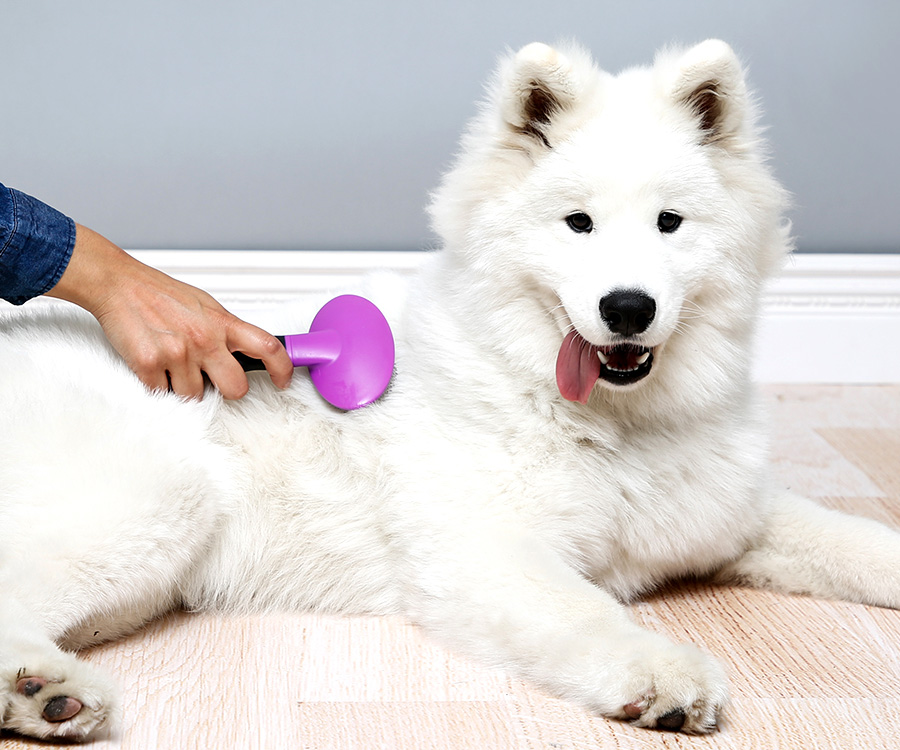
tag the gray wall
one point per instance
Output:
(317, 125)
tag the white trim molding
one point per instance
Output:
(245, 279)
(826, 319)
(832, 319)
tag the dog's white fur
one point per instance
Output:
(473, 498)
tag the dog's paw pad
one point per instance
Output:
(633, 711)
(676, 720)
(61, 708)
(66, 699)
(56, 709)
(29, 686)
(672, 721)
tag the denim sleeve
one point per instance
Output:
(36, 243)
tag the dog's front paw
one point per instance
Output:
(675, 688)
(57, 697)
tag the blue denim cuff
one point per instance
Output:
(36, 244)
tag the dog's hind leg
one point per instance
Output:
(59, 591)
(804, 548)
(64, 590)
(46, 692)
(88, 553)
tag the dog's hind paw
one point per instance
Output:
(65, 699)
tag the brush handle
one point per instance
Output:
(304, 349)
(251, 363)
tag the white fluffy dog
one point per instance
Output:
(570, 424)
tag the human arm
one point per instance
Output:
(168, 332)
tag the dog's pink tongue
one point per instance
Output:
(577, 368)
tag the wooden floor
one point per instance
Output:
(804, 673)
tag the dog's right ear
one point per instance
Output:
(708, 81)
(538, 86)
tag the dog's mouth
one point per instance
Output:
(581, 364)
(625, 363)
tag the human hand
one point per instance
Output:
(168, 332)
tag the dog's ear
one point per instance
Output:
(708, 81)
(539, 86)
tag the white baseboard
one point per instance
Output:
(827, 319)
(243, 279)
(832, 319)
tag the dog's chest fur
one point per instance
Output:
(626, 509)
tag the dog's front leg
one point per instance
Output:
(513, 602)
(804, 548)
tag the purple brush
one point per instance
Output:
(349, 351)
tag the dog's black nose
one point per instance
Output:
(627, 311)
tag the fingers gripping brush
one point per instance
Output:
(349, 351)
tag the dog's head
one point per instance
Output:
(635, 211)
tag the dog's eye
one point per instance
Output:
(667, 222)
(579, 222)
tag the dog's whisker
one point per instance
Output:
(690, 310)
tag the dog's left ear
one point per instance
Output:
(709, 82)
